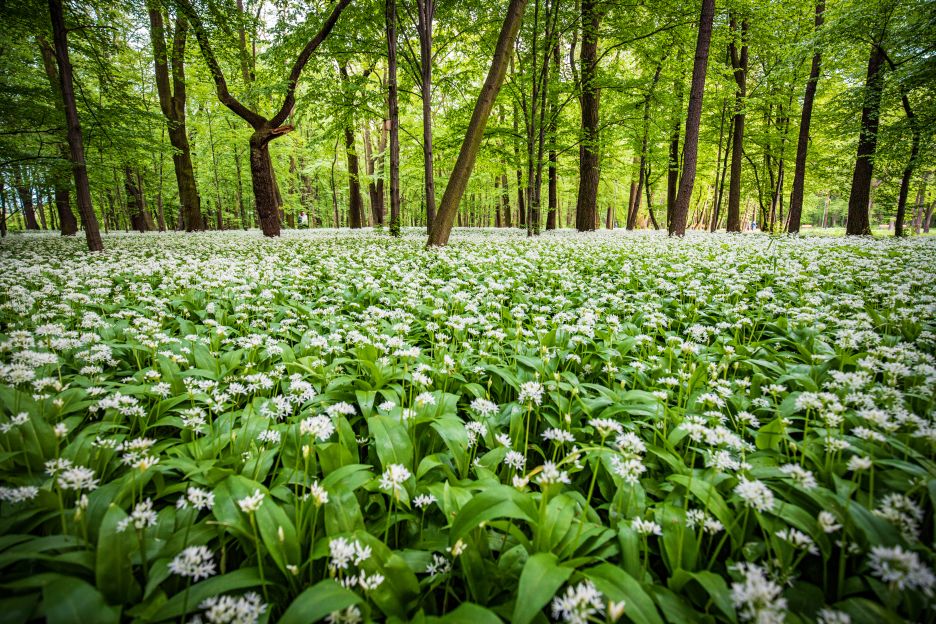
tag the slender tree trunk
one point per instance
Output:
(172, 99)
(672, 174)
(642, 167)
(680, 214)
(445, 218)
(739, 64)
(394, 115)
(26, 200)
(909, 168)
(802, 143)
(716, 204)
(505, 200)
(426, 15)
(3, 210)
(589, 172)
(140, 219)
(860, 196)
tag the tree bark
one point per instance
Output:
(739, 64)
(645, 138)
(553, 156)
(172, 98)
(426, 15)
(73, 125)
(802, 143)
(140, 218)
(680, 214)
(394, 114)
(589, 172)
(26, 200)
(909, 168)
(858, 200)
(455, 189)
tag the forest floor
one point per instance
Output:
(345, 425)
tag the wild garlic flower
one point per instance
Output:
(195, 562)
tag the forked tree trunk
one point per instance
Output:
(26, 200)
(455, 189)
(680, 214)
(265, 130)
(859, 198)
(802, 143)
(589, 172)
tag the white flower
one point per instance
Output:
(798, 539)
(831, 616)
(348, 615)
(628, 469)
(140, 518)
(394, 477)
(902, 569)
(578, 604)
(424, 500)
(515, 460)
(19, 494)
(606, 426)
(857, 463)
(483, 407)
(77, 478)
(828, 522)
(802, 477)
(439, 566)
(200, 499)
(195, 562)
(318, 494)
(757, 598)
(320, 427)
(646, 527)
(246, 609)
(558, 435)
(344, 552)
(251, 504)
(531, 392)
(755, 494)
(551, 474)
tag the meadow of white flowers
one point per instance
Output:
(346, 427)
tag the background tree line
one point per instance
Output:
(539, 114)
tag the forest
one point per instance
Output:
(475, 311)
(585, 114)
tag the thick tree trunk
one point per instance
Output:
(67, 221)
(739, 64)
(672, 173)
(680, 214)
(261, 174)
(355, 203)
(589, 172)
(858, 201)
(455, 189)
(505, 201)
(802, 143)
(394, 114)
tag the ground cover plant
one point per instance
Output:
(344, 426)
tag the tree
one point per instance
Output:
(394, 118)
(802, 143)
(739, 65)
(264, 130)
(860, 196)
(455, 189)
(172, 97)
(677, 220)
(586, 206)
(73, 128)
(425, 16)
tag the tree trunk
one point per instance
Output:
(394, 114)
(3, 211)
(505, 201)
(26, 200)
(261, 174)
(911, 165)
(426, 14)
(739, 64)
(172, 99)
(355, 203)
(859, 198)
(455, 189)
(672, 174)
(802, 143)
(680, 214)
(140, 219)
(589, 173)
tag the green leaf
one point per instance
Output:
(215, 586)
(69, 600)
(618, 585)
(113, 570)
(541, 577)
(497, 501)
(391, 440)
(316, 602)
